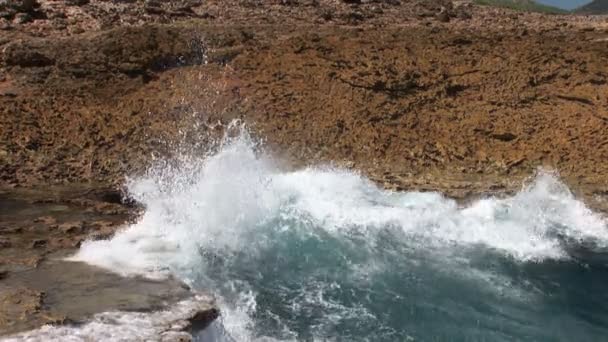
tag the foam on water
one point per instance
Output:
(168, 324)
(206, 215)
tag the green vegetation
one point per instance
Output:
(522, 5)
(595, 7)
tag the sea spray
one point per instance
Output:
(324, 254)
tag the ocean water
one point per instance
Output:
(323, 254)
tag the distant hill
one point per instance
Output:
(595, 7)
(524, 5)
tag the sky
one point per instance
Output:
(565, 4)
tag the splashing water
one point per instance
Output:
(324, 254)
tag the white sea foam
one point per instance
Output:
(167, 325)
(215, 204)
(235, 190)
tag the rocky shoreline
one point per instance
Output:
(427, 95)
(39, 229)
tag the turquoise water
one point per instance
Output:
(323, 287)
(322, 254)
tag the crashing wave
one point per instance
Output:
(221, 222)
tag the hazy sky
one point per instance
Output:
(567, 4)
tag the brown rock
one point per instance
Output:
(504, 136)
(71, 227)
(443, 16)
(381, 95)
(5, 24)
(77, 30)
(5, 242)
(77, 2)
(45, 220)
(38, 243)
(22, 18)
(25, 58)
(19, 5)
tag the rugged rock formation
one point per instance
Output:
(390, 87)
(38, 229)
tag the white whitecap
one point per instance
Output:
(215, 203)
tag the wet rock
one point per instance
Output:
(17, 304)
(173, 336)
(74, 290)
(115, 196)
(203, 317)
(100, 236)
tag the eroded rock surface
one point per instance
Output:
(38, 229)
(64, 293)
(383, 86)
